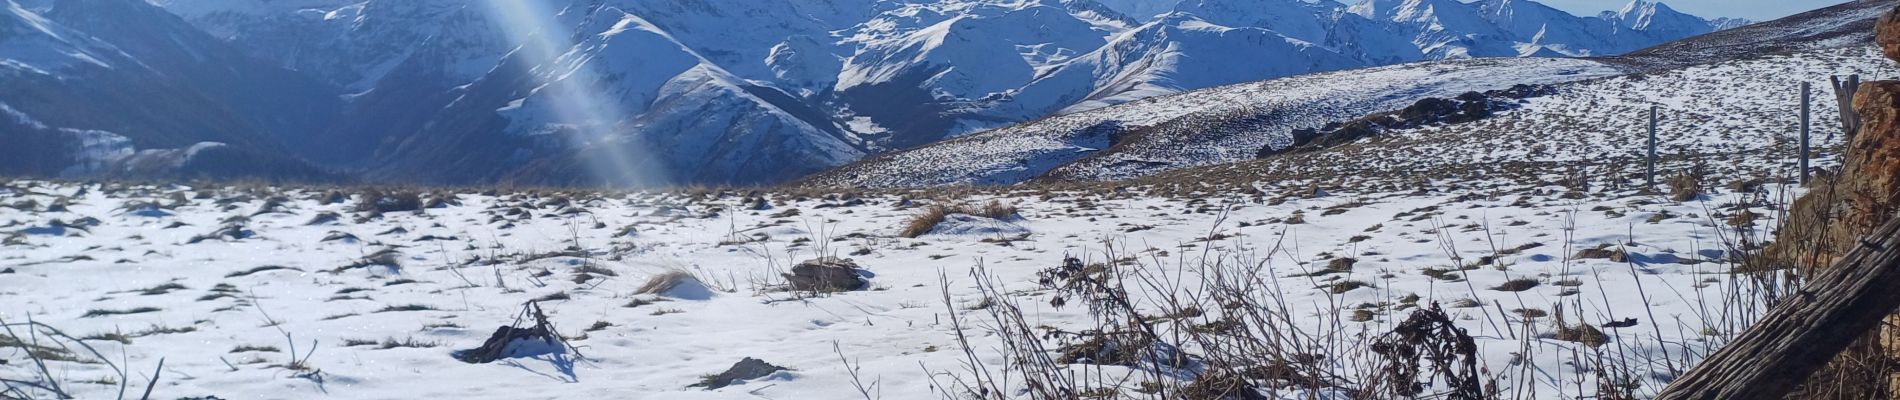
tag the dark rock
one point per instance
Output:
(1428, 110)
(1303, 136)
(496, 347)
(6, 271)
(746, 369)
(1466, 107)
(829, 274)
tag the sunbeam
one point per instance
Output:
(588, 118)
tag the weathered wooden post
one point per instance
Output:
(1802, 332)
(1805, 89)
(1844, 96)
(1651, 170)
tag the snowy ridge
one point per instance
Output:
(1732, 110)
(30, 44)
(1078, 144)
(1231, 123)
(1844, 25)
(92, 84)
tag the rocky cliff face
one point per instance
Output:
(1839, 209)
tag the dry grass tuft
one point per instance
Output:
(665, 282)
(927, 220)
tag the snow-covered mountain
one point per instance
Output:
(113, 87)
(754, 92)
(1140, 9)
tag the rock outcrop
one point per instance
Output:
(1841, 207)
(828, 274)
(1468, 107)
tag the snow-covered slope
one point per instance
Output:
(1203, 127)
(355, 44)
(630, 105)
(1232, 123)
(1847, 24)
(1142, 10)
(91, 87)
(289, 106)
(37, 46)
(1735, 109)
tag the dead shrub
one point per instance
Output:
(995, 210)
(1429, 339)
(1685, 186)
(925, 221)
(1579, 333)
(1743, 219)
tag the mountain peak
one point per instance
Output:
(1451, 14)
(1646, 7)
(1659, 18)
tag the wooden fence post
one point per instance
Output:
(1651, 170)
(1844, 96)
(1803, 331)
(1806, 89)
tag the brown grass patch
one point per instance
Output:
(928, 219)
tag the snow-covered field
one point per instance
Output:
(246, 291)
(446, 277)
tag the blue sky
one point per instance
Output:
(1759, 10)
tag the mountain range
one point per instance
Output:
(635, 93)
(1183, 138)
